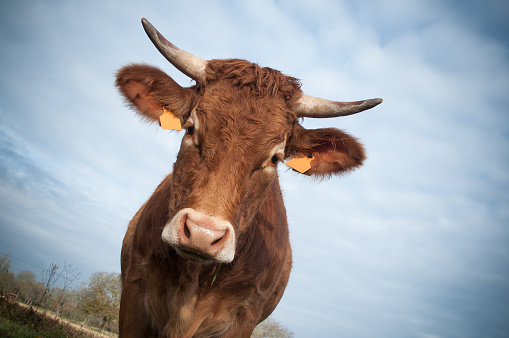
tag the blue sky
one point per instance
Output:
(413, 244)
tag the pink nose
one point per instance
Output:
(201, 238)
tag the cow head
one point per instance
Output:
(240, 121)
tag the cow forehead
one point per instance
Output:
(233, 110)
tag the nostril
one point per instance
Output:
(187, 233)
(200, 235)
(216, 241)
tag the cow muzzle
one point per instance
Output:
(200, 237)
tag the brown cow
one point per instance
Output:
(208, 255)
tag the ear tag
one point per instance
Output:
(301, 164)
(169, 121)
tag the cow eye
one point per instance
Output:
(190, 130)
(274, 159)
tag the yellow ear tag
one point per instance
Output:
(169, 121)
(301, 164)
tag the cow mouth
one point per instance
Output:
(199, 258)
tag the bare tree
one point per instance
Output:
(270, 328)
(49, 278)
(5, 263)
(5, 275)
(69, 275)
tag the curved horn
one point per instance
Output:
(187, 63)
(310, 106)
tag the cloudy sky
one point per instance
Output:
(414, 244)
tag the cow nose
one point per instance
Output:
(201, 237)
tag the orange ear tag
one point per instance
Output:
(301, 164)
(169, 121)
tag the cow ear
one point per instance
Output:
(148, 89)
(333, 151)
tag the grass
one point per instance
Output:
(9, 328)
(19, 322)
